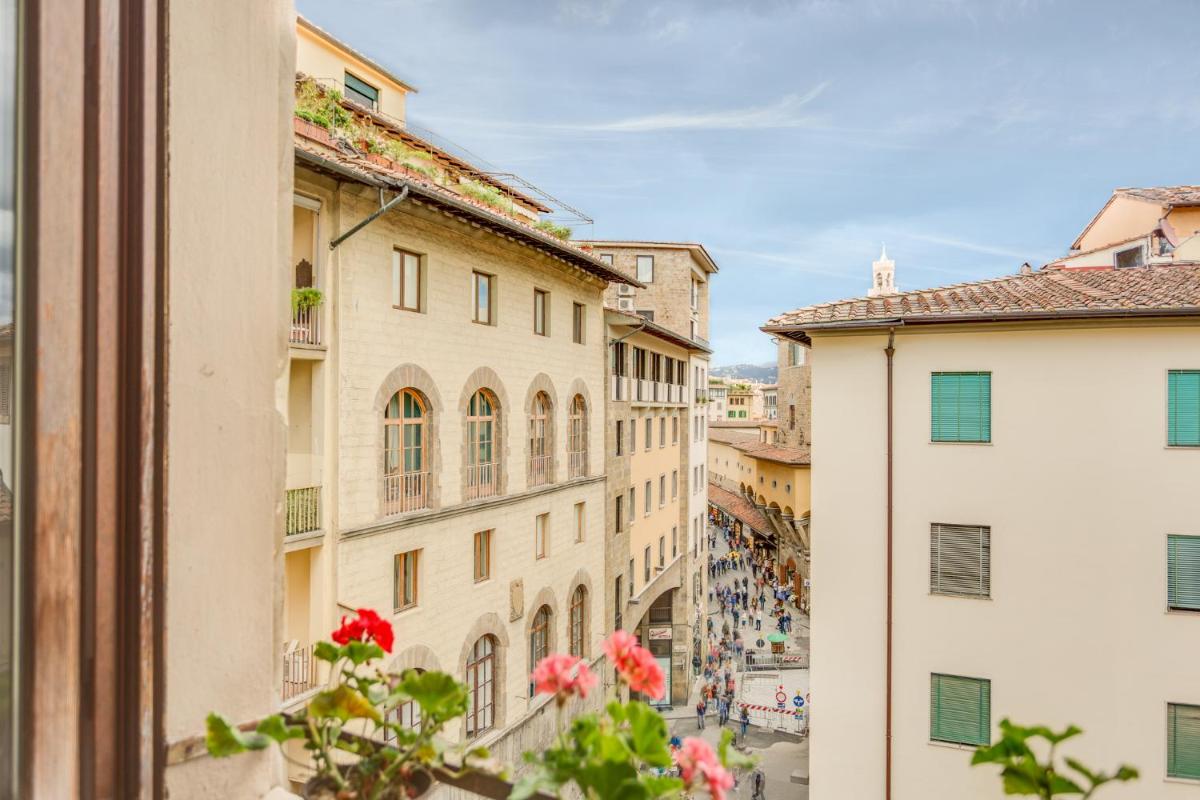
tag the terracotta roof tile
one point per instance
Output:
(1168, 195)
(794, 456)
(738, 506)
(1045, 294)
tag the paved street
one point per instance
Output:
(782, 755)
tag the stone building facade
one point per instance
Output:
(793, 395)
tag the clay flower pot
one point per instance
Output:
(418, 785)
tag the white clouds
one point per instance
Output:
(978, 247)
(784, 113)
(591, 12)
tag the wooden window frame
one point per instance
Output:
(579, 323)
(577, 622)
(400, 580)
(543, 296)
(540, 628)
(489, 280)
(482, 555)
(541, 536)
(399, 270)
(481, 681)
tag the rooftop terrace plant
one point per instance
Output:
(554, 229)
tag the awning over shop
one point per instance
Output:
(739, 508)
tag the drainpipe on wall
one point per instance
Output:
(889, 353)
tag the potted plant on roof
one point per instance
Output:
(360, 751)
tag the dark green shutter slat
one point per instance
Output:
(1183, 407)
(1183, 741)
(961, 407)
(1183, 572)
(960, 709)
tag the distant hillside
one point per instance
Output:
(761, 373)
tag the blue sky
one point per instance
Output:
(793, 138)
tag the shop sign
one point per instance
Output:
(660, 634)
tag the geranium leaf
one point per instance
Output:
(342, 703)
(223, 739)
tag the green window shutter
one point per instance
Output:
(960, 709)
(960, 560)
(1183, 408)
(1183, 572)
(1183, 741)
(961, 407)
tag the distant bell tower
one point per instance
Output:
(883, 276)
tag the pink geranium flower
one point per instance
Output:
(698, 763)
(563, 676)
(646, 676)
(635, 664)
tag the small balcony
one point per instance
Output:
(405, 491)
(299, 671)
(303, 510)
(577, 466)
(483, 480)
(541, 469)
(306, 326)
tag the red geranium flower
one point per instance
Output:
(563, 676)
(366, 627)
(635, 664)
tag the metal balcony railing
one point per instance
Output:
(540, 470)
(299, 671)
(577, 465)
(483, 480)
(405, 491)
(306, 326)
(303, 510)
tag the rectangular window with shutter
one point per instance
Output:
(961, 407)
(1183, 408)
(1183, 573)
(960, 709)
(1183, 741)
(960, 560)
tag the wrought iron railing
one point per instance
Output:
(577, 466)
(303, 510)
(541, 469)
(483, 480)
(299, 672)
(405, 491)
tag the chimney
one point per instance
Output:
(1025, 269)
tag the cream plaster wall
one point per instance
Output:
(228, 308)
(321, 60)
(1124, 218)
(370, 341)
(1080, 492)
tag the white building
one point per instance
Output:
(1006, 481)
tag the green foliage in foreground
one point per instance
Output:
(1024, 774)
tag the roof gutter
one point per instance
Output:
(801, 331)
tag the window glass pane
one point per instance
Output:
(360, 91)
(397, 276)
(412, 281)
(645, 268)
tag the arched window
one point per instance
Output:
(577, 441)
(578, 620)
(405, 453)
(541, 457)
(483, 469)
(539, 639)
(481, 687)
(407, 715)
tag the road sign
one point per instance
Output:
(781, 696)
(798, 701)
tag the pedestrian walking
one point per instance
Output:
(722, 711)
(745, 722)
(758, 787)
(701, 709)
